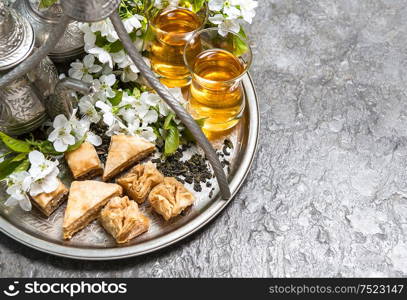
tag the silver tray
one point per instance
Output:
(93, 243)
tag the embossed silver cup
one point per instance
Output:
(69, 47)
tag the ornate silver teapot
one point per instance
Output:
(21, 102)
(25, 103)
(69, 47)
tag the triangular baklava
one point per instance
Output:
(124, 151)
(84, 162)
(86, 199)
(47, 203)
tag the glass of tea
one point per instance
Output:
(171, 28)
(217, 61)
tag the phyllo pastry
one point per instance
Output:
(170, 198)
(47, 203)
(122, 218)
(124, 151)
(84, 162)
(86, 199)
(139, 182)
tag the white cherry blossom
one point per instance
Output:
(150, 99)
(103, 56)
(84, 70)
(44, 174)
(150, 117)
(108, 115)
(133, 23)
(106, 29)
(216, 5)
(61, 136)
(18, 185)
(88, 110)
(247, 8)
(148, 134)
(104, 84)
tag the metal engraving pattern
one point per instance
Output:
(93, 243)
(16, 38)
(165, 94)
(72, 42)
(38, 56)
(45, 77)
(21, 109)
(64, 100)
(89, 10)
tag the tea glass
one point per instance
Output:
(171, 28)
(218, 61)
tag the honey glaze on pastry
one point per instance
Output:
(170, 198)
(84, 162)
(139, 182)
(124, 151)
(86, 199)
(47, 203)
(122, 218)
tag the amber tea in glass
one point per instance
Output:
(217, 63)
(172, 28)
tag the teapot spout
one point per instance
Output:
(63, 101)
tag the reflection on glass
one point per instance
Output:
(171, 29)
(217, 63)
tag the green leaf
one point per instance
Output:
(5, 154)
(242, 33)
(117, 98)
(197, 5)
(45, 147)
(201, 122)
(20, 157)
(14, 144)
(168, 121)
(148, 36)
(46, 3)
(240, 47)
(114, 47)
(157, 132)
(24, 165)
(101, 42)
(77, 144)
(188, 134)
(8, 167)
(172, 141)
(136, 92)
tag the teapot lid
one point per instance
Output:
(51, 14)
(16, 37)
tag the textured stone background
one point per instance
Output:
(327, 195)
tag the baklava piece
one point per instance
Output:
(47, 203)
(124, 151)
(86, 199)
(139, 182)
(170, 198)
(84, 162)
(122, 218)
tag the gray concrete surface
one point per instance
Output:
(327, 195)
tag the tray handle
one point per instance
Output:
(165, 94)
(162, 91)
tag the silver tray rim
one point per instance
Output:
(172, 237)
